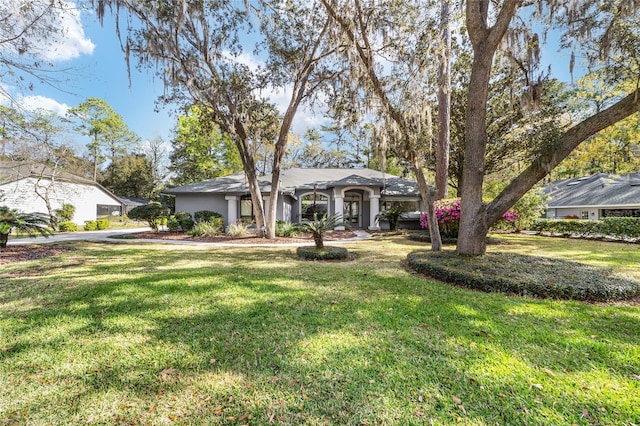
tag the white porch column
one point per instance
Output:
(232, 208)
(339, 206)
(374, 209)
(266, 200)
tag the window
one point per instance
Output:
(105, 210)
(409, 206)
(309, 205)
(621, 213)
(246, 209)
(584, 214)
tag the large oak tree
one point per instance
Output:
(201, 50)
(608, 28)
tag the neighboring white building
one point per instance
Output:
(594, 197)
(29, 187)
(358, 195)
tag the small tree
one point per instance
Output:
(319, 226)
(154, 213)
(31, 223)
(65, 213)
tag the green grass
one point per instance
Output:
(158, 334)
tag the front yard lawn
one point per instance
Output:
(161, 334)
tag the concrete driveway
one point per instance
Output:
(104, 236)
(76, 236)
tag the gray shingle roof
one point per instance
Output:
(302, 178)
(11, 171)
(596, 190)
(236, 183)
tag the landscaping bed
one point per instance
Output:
(526, 275)
(21, 253)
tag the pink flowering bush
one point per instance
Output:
(448, 217)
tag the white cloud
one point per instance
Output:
(32, 103)
(56, 36)
(71, 42)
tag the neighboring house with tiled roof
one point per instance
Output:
(359, 194)
(594, 197)
(33, 187)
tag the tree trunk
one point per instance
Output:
(444, 106)
(240, 138)
(278, 154)
(4, 238)
(485, 41)
(425, 193)
(470, 239)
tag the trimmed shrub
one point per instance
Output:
(103, 224)
(205, 215)
(617, 227)
(90, 225)
(208, 228)
(620, 227)
(185, 220)
(67, 227)
(153, 213)
(448, 216)
(286, 229)
(325, 253)
(238, 229)
(424, 237)
(173, 224)
(525, 275)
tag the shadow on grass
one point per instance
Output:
(258, 332)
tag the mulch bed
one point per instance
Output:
(247, 239)
(21, 253)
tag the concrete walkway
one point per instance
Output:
(106, 234)
(76, 236)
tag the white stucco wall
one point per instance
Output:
(21, 195)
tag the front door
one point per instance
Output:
(351, 211)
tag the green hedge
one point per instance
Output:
(206, 215)
(618, 227)
(103, 224)
(525, 275)
(90, 225)
(67, 227)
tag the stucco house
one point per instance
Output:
(358, 194)
(29, 186)
(594, 197)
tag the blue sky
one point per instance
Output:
(98, 70)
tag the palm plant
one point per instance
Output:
(31, 223)
(318, 227)
(392, 215)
